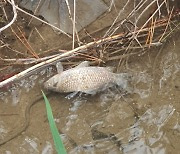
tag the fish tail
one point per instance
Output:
(122, 80)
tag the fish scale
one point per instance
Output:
(87, 79)
(83, 79)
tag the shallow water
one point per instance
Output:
(144, 121)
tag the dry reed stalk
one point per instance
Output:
(154, 25)
(23, 40)
(154, 13)
(7, 46)
(118, 39)
(45, 63)
(19, 9)
(35, 11)
(151, 33)
(72, 53)
(139, 6)
(26, 61)
(27, 44)
(73, 20)
(39, 34)
(14, 17)
(168, 23)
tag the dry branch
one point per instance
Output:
(16, 7)
(45, 63)
(120, 41)
(116, 38)
(14, 17)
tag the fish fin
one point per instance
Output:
(83, 64)
(110, 69)
(71, 95)
(59, 67)
(122, 80)
(90, 92)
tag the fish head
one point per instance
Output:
(51, 84)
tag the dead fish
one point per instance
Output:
(86, 79)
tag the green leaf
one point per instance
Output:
(54, 131)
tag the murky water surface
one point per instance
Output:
(144, 121)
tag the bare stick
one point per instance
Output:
(14, 17)
(167, 25)
(55, 59)
(40, 34)
(147, 7)
(138, 7)
(27, 44)
(35, 11)
(77, 50)
(122, 56)
(26, 61)
(29, 70)
(40, 20)
(73, 20)
(150, 17)
(115, 20)
(140, 4)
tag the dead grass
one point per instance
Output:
(137, 38)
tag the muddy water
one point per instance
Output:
(144, 121)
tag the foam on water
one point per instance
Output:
(3, 130)
(154, 119)
(48, 148)
(142, 84)
(170, 65)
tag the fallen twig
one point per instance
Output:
(26, 61)
(39, 19)
(45, 63)
(14, 17)
(96, 44)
